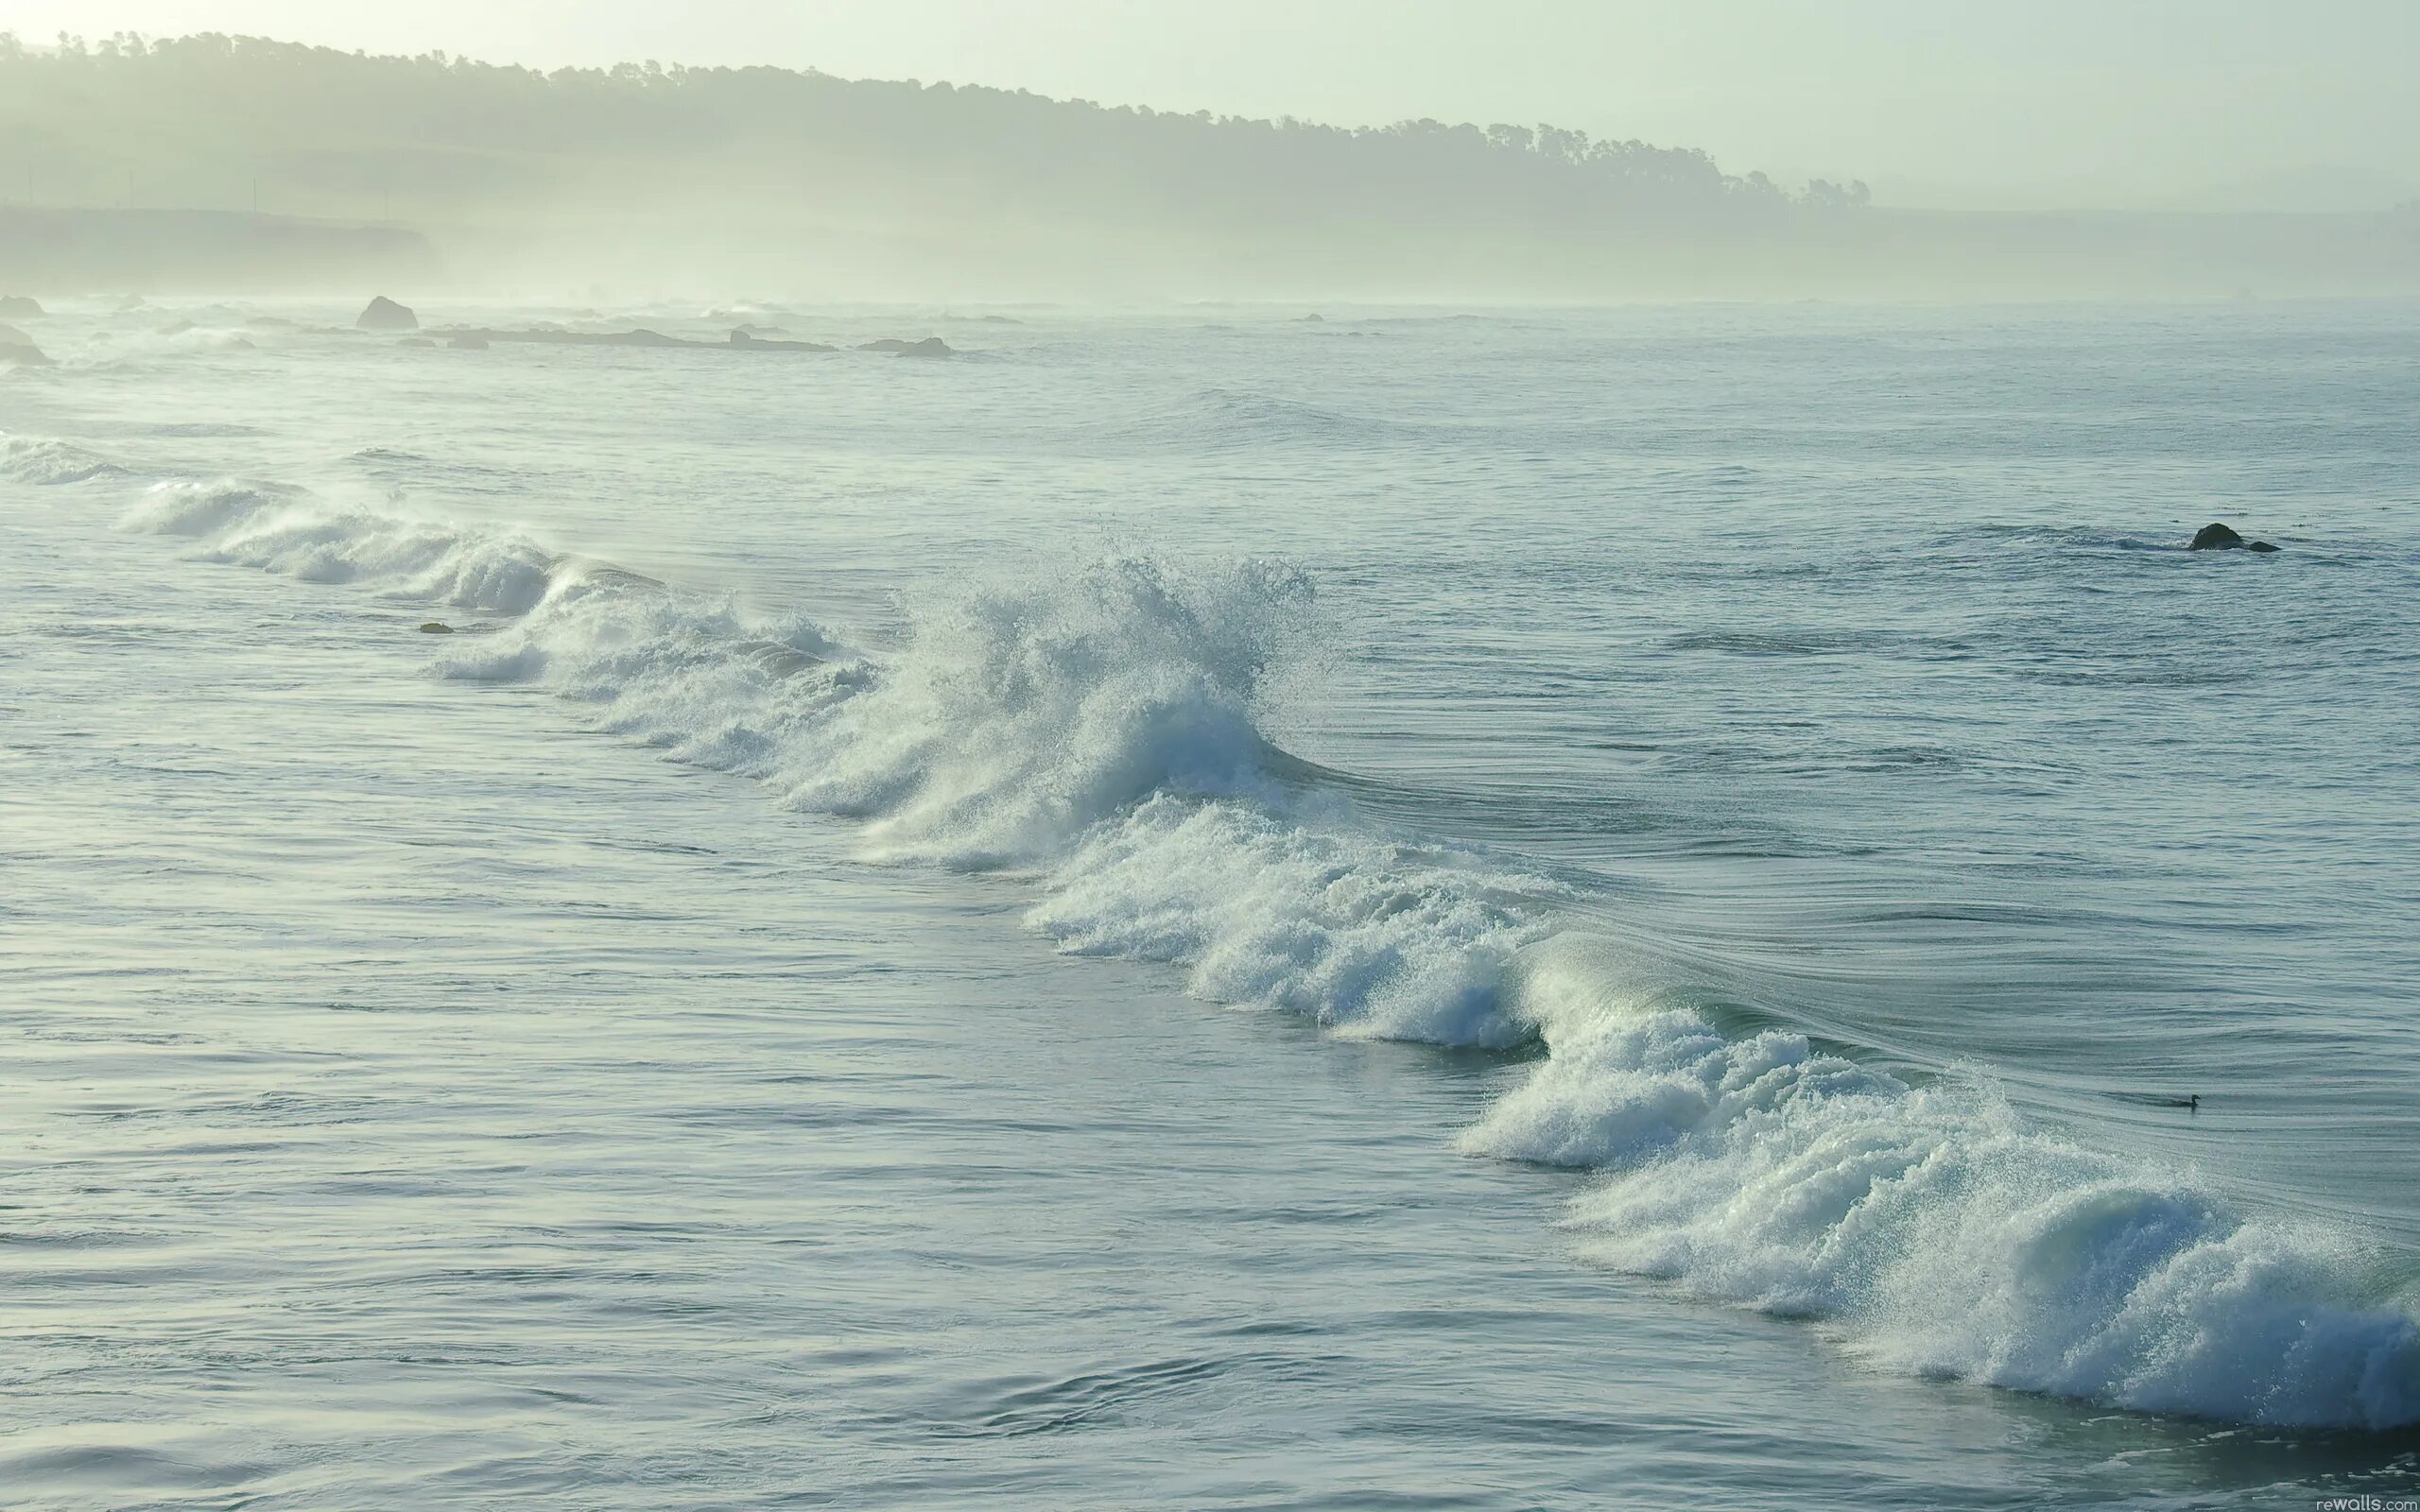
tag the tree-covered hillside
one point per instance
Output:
(781, 180)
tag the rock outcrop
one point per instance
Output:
(929, 346)
(383, 313)
(18, 307)
(2215, 537)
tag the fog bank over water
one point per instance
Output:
(644, 177)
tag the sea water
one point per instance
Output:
(1196, 908)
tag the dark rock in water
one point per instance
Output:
(929, 346)
(416, 341)
(742, 337)
(383, 313)
(269, 323)
(469, 343)
(17, 350)
(21, 353)
(18, 307)
(1315, 318)
(436, 628)
(2215, 537)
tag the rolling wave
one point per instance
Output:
(39, 459)
(1099, 732)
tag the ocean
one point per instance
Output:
(1665, 906)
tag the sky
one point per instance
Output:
(2047, 103)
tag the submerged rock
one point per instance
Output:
(383, 313)
(929, 346)
(18, 307)
(2216, 536)
(436, 628)
(468, 343)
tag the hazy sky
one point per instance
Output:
(2023, 102)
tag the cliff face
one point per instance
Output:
(92, 252)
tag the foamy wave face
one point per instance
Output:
(1365, 936)
(1100, 732)
(280, 529)
(1949, 1239)
(42, 460)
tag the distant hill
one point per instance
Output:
(796, 181)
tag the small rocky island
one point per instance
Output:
(384, 314)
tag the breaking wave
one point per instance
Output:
(1100, 732)
(39, 459)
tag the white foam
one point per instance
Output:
(1945, 1236)
(1366, 936)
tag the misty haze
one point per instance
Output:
(1386, 754)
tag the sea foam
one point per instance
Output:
(1941, 1233)
(1100, 733)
